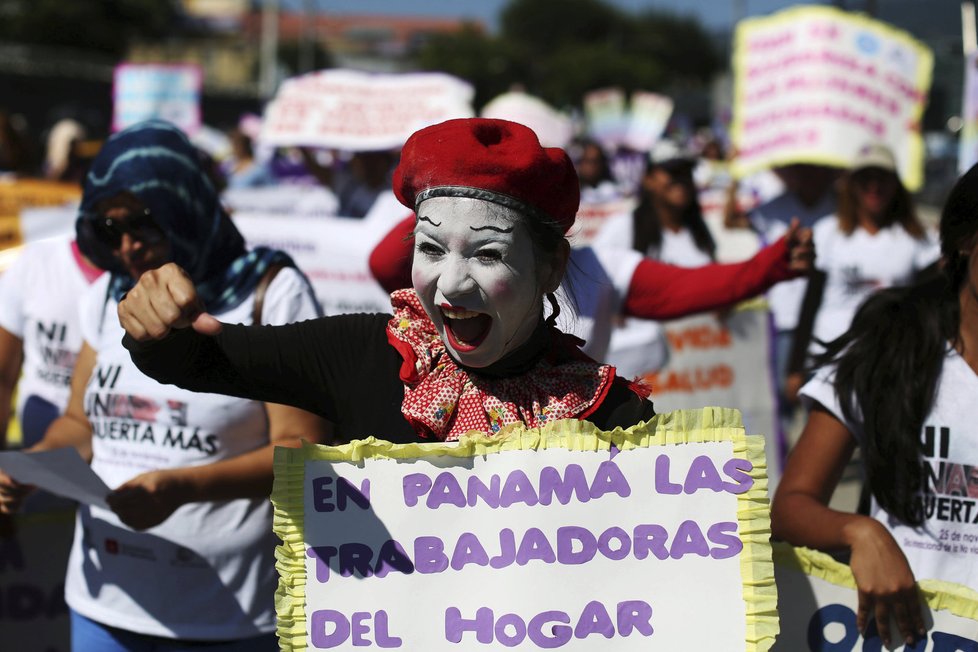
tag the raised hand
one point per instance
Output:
(164, 298)
(801, 248)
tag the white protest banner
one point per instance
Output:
(358, 111)
(648, 117)
(563, 536)
(282, 199)
(553, 128)
(333, 252)
(817, 603)
(815, 84)
(143, 91)
(605, 113)
(714, 361)
(968, 138)
(592, 216)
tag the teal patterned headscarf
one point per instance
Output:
(156, 163)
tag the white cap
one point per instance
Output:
(875, 155)
(668, 151)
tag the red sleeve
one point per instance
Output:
(660, 291)
(390, 261)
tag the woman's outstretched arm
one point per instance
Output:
(801, 516)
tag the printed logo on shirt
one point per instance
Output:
(114, 547)
(57, 360)
(140, 419)
(855, 284)
(949, 487)
(187, 558)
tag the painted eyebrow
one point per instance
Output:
(489, 227)
(425, 218)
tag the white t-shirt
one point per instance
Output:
(39, 297)
(943, 547)
(772, 220)
(599, 280)
(639, 346)
(859, 263)
(677, 248)
(207, 572)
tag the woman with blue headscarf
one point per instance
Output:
(185, 554)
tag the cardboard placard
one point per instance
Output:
(816, 84)
(563, 536)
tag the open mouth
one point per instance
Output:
(465, 329)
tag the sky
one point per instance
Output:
(715, 14)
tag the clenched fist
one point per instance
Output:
(163, 299)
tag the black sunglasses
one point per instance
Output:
(138, 225)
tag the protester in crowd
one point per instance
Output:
(63, 160)
(809, 193)
(241, 169)
(467, 349)
(357, 183)
(39, 331)
(874, 240)
(185, 552)
(593, 169)
(15, 152)
(667, 225)
(899, 384)
(712, 170)
(39, 342)
(604, 284)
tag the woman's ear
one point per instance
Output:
(558, 267)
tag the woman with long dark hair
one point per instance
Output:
(873, 241)
(667, 225)
(899, 384)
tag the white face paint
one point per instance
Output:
(475, 272)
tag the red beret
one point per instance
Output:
(493, 160)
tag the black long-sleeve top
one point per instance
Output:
(341, 368)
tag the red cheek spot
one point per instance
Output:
(502, 289)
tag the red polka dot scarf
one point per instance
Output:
(444, 401)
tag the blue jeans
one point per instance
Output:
(90, 636)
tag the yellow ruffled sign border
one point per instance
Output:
(712, 424)
(939, 595)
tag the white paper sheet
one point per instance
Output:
(62, 472)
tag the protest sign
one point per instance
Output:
(815, 84)
(563, 536)
(146, 91)
(723, 361)
(33, 614)
(351, 110)
(605, 113)
(333, 253)
(817, 603)
(592, 216)
(648, 116)
(283, 200)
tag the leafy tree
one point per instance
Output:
(103, 26)
(487, 63)
(561, 49)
